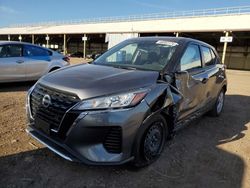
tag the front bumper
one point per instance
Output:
(65, 152)
(83, 139)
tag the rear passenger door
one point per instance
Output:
(37, 61)
(190, 81)
(12, 66)
(212, 69)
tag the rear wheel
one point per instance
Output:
(151, 141)
(218, 106)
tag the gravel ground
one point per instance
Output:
(210, 152)
(75, 60)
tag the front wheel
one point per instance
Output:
(151, 141)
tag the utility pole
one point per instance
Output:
(84, 45)
(33, 39)
(20, 38)
(47, 39)
(224, 48)
(64, 44)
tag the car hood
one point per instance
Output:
(88, 80)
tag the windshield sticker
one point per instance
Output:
(167, 43)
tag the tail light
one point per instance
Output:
(66, 58)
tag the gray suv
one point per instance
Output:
(128, 102)
(21, 61)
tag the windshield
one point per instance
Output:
(145, 55)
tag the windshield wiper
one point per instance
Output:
(119, 66)
(128, 68)
(124, 67)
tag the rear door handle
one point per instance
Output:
(19, 61)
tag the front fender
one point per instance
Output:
(163, 95)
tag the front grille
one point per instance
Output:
(113, 140)
(60, 103)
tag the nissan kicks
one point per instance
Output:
(128, 102)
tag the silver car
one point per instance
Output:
(20, 61)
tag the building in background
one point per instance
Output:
(227, 29)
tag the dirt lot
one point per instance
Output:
(75, 60)
(211, 152)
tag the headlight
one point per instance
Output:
(113, 101)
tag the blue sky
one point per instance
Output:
(32, 11)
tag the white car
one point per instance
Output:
(20, 61)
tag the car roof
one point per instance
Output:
(17, 42)
(13, 42)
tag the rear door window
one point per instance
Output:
(191, 58)
(36, 51)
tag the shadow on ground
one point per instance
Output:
(16, 86)
(192, 159)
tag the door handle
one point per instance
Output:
(204, 80)
(19, 61)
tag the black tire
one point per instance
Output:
(219, 104)
(150, 141)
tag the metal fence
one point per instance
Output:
(153, 16)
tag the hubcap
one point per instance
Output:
(220, 102)
(153, 141)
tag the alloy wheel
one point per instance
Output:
(220, 102)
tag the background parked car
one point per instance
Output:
(25, 62)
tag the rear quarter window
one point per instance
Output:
(208, 56)
(215, 57)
